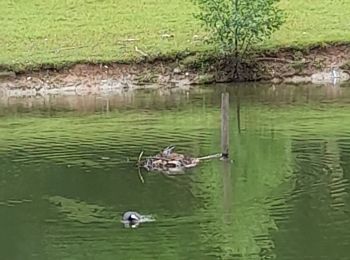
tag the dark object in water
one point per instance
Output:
(131, 217)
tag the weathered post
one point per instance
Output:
(225, 108)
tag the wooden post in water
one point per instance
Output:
(225, 108)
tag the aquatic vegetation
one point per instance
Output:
(79, 211)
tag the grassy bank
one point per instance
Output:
(59, 32)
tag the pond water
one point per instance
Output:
(68, 173)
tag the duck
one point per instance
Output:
(131, 217)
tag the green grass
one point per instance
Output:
(312, 22)
(55, 32)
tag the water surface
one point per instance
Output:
(68, 173)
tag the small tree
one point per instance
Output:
(237, 25)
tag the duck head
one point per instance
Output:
(131, 219)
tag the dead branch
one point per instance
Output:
(140, 156)
(275, 59)
(141, 52)
(218, 155)
(140, 176)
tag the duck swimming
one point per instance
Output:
(133, 219)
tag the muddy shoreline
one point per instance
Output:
(312, 65)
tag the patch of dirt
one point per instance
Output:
(94, 79)
(286, 63)
(281, 65)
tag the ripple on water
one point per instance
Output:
(75, 148)
(14, 202)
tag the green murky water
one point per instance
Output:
(68, 172)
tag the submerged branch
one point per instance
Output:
(139, 164)
(140, 156)
(140, 176)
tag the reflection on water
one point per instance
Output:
(68, 173)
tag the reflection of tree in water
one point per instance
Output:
(319, 226)
(237, 219)
(152, 99)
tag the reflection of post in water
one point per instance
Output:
(107, 106)
(227, 187)
(225, 107)
(238, 110)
